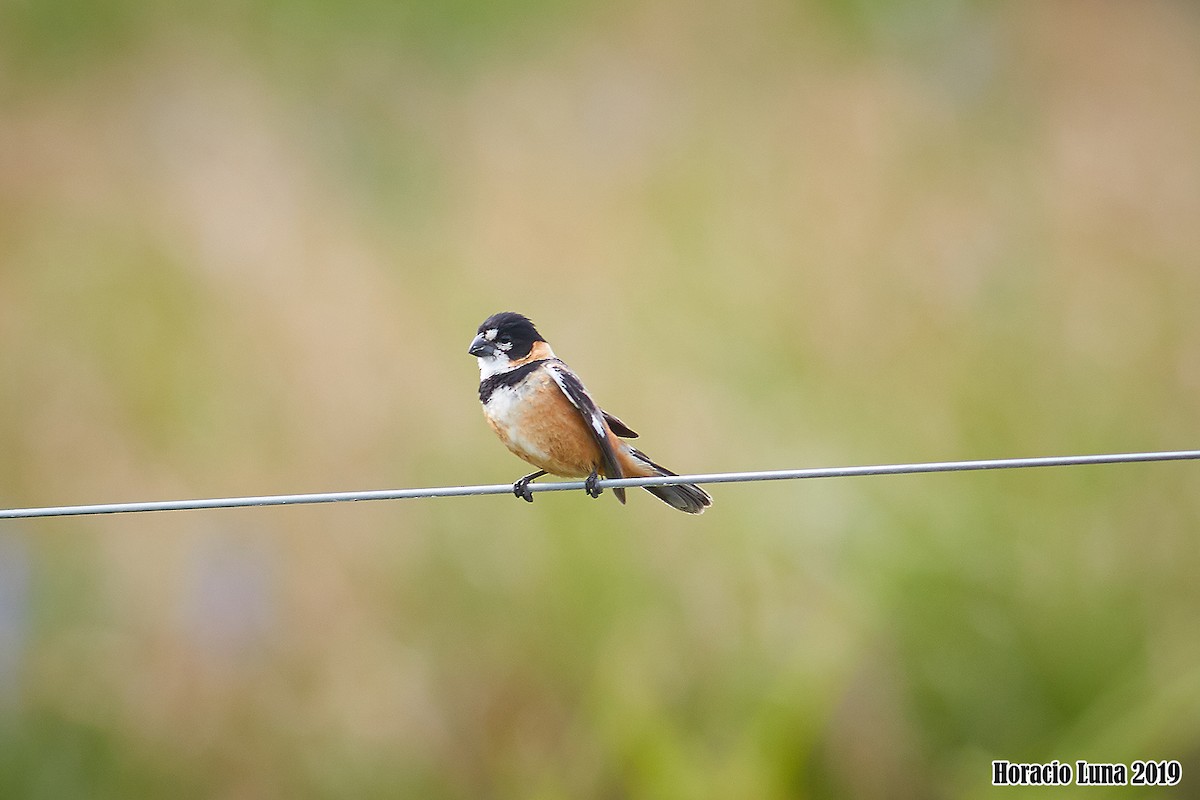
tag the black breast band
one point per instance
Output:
(510, 378)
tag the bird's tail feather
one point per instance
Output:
(687, 497)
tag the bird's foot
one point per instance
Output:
(521, 488)
(590, 486)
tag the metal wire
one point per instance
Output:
(506, 488)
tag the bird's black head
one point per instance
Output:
(507, 335)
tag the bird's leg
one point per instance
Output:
(521, 487)
(590, 486)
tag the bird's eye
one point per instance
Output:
(504, 339)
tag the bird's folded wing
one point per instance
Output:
(593, 417)
(618, 427)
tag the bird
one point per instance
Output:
(543, 414)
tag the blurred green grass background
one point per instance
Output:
(243, 247)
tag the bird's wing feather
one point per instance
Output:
(618, 427)
(593, 417)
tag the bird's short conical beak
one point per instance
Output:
(481, 347)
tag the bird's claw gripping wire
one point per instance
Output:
(590, 486)
(521, 488)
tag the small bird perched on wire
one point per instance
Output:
(540, 410)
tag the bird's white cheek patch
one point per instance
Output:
(493, 365)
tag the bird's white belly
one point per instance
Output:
(507, 409)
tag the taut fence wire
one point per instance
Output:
(507, 488)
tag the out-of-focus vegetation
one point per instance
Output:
(243, 247)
